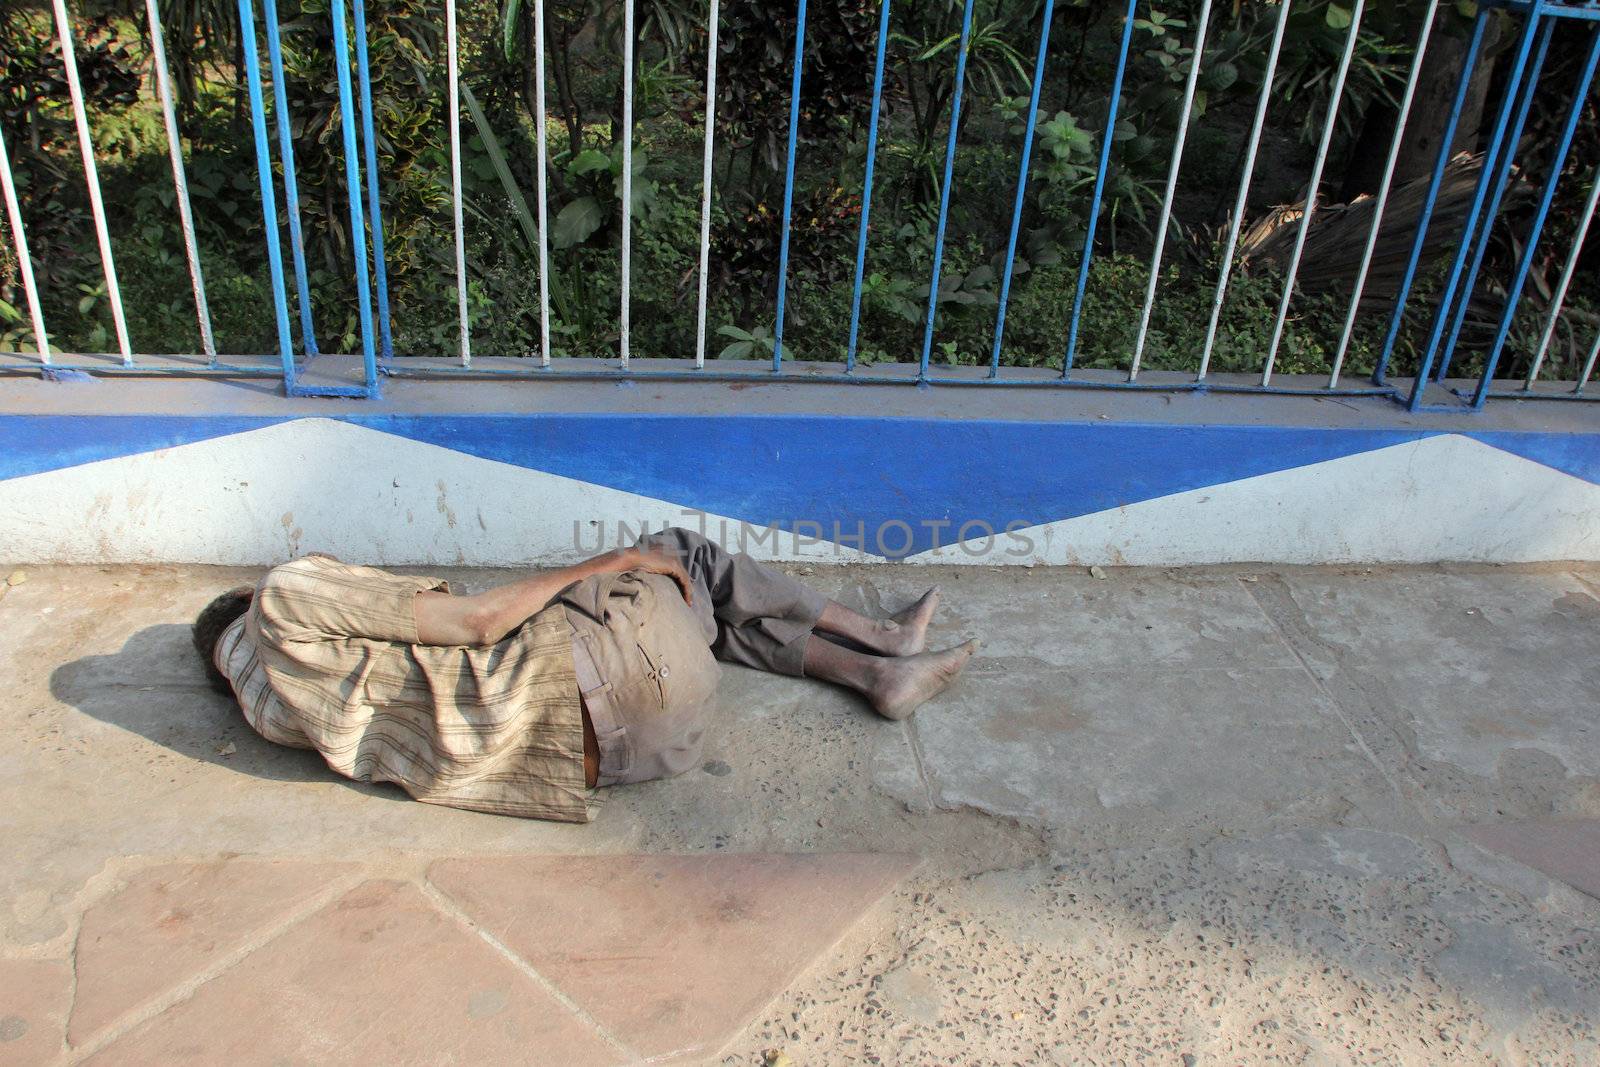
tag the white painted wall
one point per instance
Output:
(264, 496)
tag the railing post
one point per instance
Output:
(180, 183)
(1022, 186)
(19, 236)
(788, 184)
(97, 207)
(1313, 189)
(1485, 179)
(1408, 278)
(1179, 142)
(944, 188)
(866, 186)
(1242, 202)
(1536, 228)
(1099, 189)
(269, 204)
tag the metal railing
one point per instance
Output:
(1536, 21)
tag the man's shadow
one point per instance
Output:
(156, 687)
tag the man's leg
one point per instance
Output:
(895, 686)
(768, 620)
(765, 615)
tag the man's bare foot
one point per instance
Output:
(905, 633)
(906, 683)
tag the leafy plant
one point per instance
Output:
(756, 341)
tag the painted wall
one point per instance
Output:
(536, 488)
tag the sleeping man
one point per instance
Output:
(523, 699)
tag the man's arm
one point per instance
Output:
(484, 618)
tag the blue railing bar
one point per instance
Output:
(1313, 190)
(19, 237)
(478, 372)
(403, 370)
(1519, 394)
(1479, 229)
(1385, 187)
(1497, 139)
(1022, 187)
(1536, 229)
(352, 184)
(1099, 188)
(1587, 14)
(369, 141)
(1242, 202)
(269, 205)
(1480, 25)
(788, 183)
(97, 207)
(291, 186)
(866, 186)
(180, 181)
(945, 184)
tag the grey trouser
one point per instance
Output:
(646, 661)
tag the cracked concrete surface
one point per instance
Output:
(1211, 815)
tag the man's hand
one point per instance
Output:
(654, 561)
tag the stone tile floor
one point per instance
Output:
(1219, 815)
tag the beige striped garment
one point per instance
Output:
(327, 658)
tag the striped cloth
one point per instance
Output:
(327, 658)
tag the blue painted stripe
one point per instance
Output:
(767, 470)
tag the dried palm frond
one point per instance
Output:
(1339, 232)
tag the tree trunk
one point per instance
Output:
(1430, 112)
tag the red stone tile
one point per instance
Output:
(1565, 849)
(672, 954)
(379, 976)
(171, 922)
(34, 996)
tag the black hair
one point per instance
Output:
(209, 626)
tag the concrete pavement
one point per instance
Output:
(1216, 815)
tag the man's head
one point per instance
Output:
(216, 617)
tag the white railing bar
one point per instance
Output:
(455, 180)
(1588, 367)
(97, 206)
(1559, 298)
(24, 261)
(541, 150)
(180, 182)
(1236, 224)
(1384, 188)
(1335, 100)
(705, 185)
(627, 170)
(1172, 187)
